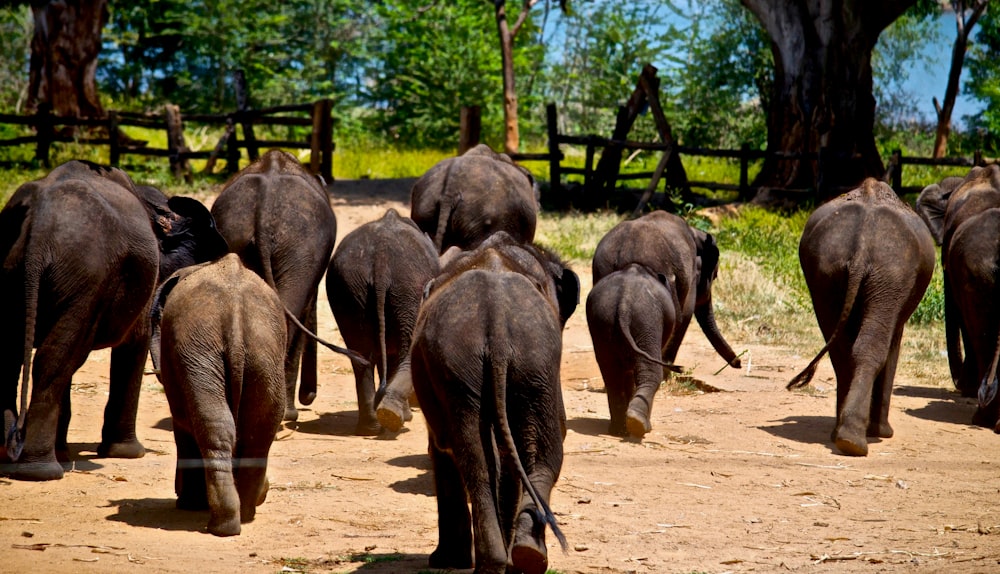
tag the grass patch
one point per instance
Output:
(573, 235)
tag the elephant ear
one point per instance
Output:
(567, 293)
(188, 235)
(708, 253)
(932, 204)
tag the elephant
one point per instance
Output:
(462, 200)
(944, 208)
(686, 256)
(221, 355)
(83, 249)
(374, 285)
(632, 314)
(277, 217)
(867, 259)
(485, 367)
(972, 261)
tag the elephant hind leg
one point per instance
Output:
(528, 556)
(364, 385)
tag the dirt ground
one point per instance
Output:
(740, 480)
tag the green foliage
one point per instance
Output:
(983, 83)
(898, 54)
(15, 36)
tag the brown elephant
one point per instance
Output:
(944, 208)
(867, 260)
(485, 366)
(463, 200)
(277, 217)
(374, 285)
(82, 250)
(221, 354)
(688, 257)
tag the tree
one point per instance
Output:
(64, 50)
(967, 13)
(821, 103)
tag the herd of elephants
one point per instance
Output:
(457, 310)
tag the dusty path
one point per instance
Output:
(743, 480)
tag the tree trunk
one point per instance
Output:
(511, 135)
(821, 112)
(964, 22)
(64, 49)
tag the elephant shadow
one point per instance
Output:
(158, 513)
(589, 426)
(943, 406)
(374, 563)
(337, 424)
(808, 429)
(420, 484)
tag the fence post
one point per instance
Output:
(114, 146)
(321, 141)
(555, 156)
(45, 131)
(470, 127)
(175, 142)
(243, 114)
(232, 149)
(896, 165)
(977, 158)
(744, 194)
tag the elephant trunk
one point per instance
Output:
(706, 319)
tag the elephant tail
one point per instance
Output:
(624, 314)
(33, 266)
(445, 208)
(543, 513)
(380, 309)
(855, 276)
(336, 349)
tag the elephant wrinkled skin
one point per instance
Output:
(82, 250)
(867, 260)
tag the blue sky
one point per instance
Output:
(930, 83)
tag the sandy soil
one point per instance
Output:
(740, 480)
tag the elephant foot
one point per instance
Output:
(883, 430)
(62, 455)
(192, 502)
(637, 423)
(37, 470)
(984, 418)
(528, 556)
(444, 557)
(291, 414)
(262, 495)
(393, 413)
(124, 449)
(369, 428)
(617, 428)
(856, 446)
(228, 526)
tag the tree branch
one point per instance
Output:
(525, 9)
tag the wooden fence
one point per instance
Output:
(51, 129)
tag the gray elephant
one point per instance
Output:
(463, 200)
(221, 354)
(374, 285)
(82, 249)
(632, 314)
(485, 366)
(944, 208)
(867, 260)
(277, 217)
(972, 260)
(688, 257)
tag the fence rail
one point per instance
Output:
(50, 129)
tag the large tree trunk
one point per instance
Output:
(64, 49)
(821, 112)
(511, 135)
(966, 15)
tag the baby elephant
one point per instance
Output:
(221, 355)
(632, 314)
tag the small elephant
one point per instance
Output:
(277, 217)
(944, 208)
(688, 257)
(221, 354)
(82, 251)
(463, 200)
(632, 314)
(374, 285)
(972, 260)
(485, 366)
(867, 260)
